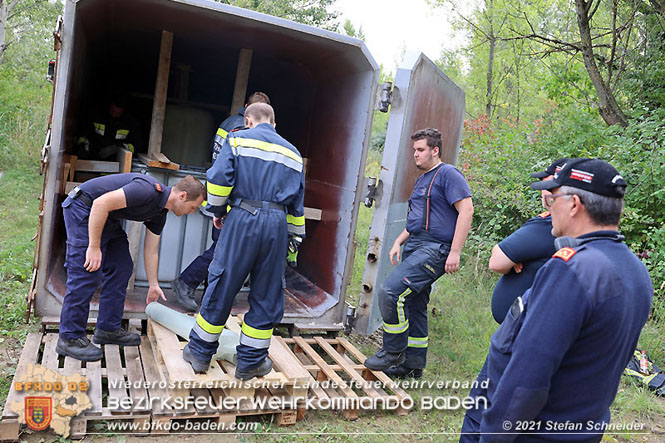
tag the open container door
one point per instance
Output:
(423, 97)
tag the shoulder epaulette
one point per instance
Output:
(565, 254)
(158, 187)
(544, 214)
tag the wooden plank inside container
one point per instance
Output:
(124, 160)
(161, 87)
(97, 166)
(242, 78)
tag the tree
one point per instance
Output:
(351, 31)
(6, 13)
(309, 12)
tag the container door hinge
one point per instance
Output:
(374, 191)
(384, 96)
(349, 319)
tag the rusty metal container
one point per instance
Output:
(324, 89)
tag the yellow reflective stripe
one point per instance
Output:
(292, 219)
(204, 203)
(122, 132)
(265, 146)
(396, 329)
(130, 147)
(417, 342)
(401, 316)
(262, 334)
(222, 133)
(99, 126)
(207, 327)
(221, 191)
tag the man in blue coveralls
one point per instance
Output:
(519, 256)
(260, 175)
(438, 222)
(555, 362)
(185, 285)
(97, 249)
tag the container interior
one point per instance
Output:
(321, 87)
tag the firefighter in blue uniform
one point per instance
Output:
(557, 358)
(437, 225)
(190, 279)
(109, 130)
(519, 256)
(260, 175)
(97, 250)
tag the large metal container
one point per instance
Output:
(323, 87)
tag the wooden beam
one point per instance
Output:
(159, 103)
(124, 160)
(312, 214)
(154, 163)
(242, 77)
(97, 166)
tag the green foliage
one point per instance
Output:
(309, 12)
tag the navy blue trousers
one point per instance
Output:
(253, 245)
(404, 296)
(114, 273)
(197, 270)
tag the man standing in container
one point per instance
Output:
(260, 175)
(97, 249)
(185, 285)
(555, 362)
(438, 222)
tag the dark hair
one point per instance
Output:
(192, 187)
(262, 112)
(258, 97)
(431, 135)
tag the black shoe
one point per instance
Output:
(404, 372)
(79, 348)
(259, 371)
(118, 337)
(184, 295)
(383, 360)
(199, 366)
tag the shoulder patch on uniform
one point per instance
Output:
(237, 129)
(158, 187)
(544, 214)
(565, 254)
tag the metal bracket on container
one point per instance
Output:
(384, 96)
(349, 319)
(45, 149)
(374, 191)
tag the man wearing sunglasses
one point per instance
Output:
(555, 362)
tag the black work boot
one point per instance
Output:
(383, 360)
(404, 372)
(260, 370)
(78, 348)
(199, 366)
(184, 295)
(119, 337)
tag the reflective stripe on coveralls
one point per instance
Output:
(255, 338)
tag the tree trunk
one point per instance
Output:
(4, 13)
(490, 62)
(607, 105)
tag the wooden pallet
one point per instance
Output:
(108, 377)
(286, 380)
(338, 377)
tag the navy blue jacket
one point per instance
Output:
(559, 354)
(257, 164)
(235, 121)
(145, 198)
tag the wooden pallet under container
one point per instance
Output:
(338, 376)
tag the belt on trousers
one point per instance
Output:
(77, 193)
(253, 206)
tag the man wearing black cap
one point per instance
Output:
(520, 255)
(555, 362)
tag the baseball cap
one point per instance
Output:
(589, 174)
(551, 169)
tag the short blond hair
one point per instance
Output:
(192, 187)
